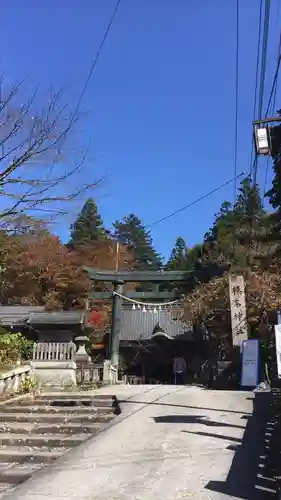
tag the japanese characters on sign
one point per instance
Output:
(238, 310)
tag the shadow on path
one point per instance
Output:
(245, 479)
(218, 436)
(192, 419)
(224, 410)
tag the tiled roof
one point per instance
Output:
(139, 325)
(16, 315)
(36, 315)
(60, 317)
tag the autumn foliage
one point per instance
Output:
(262, 289)
(38, 269)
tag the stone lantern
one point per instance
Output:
(81, 353)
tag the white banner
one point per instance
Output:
(278, 348)
(250, 363)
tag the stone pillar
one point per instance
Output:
(116, 325)
(238, 311)
(109, 375)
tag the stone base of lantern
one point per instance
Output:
(55, 374)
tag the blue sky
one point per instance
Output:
(161, 103)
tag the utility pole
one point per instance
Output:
(262, 76)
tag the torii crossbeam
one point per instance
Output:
(186, 278)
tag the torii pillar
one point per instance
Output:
(116, 323)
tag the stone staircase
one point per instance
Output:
(36, 431)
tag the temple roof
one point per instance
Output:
(137, 325)
(56, 318)
(36, 315)
(17, 315)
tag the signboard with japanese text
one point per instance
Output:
(250, 363)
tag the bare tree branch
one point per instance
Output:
(34, 148)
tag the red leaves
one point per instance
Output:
(97, 318)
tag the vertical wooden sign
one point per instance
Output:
(238, 311)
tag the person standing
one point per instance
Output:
(179, 370)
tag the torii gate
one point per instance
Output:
(186, 278)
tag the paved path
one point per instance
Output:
(170, 443)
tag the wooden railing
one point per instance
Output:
(54, 351)
(11, 380)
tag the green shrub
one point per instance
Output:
(27, 349)
(29, 384)
(13, 347)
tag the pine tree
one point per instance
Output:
(132, 233)
(178, 259)
(88, 226)
(248, 205)
(237, 232)
(274, 194)
(184, 258)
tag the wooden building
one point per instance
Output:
(40, 325)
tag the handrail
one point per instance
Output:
(11, 380)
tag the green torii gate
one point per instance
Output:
(186, 278)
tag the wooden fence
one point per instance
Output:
(54, 351)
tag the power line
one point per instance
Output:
(264, 56)
(236, 96)
(233, 179)
(262, 75)
(256, 79)
(96, 58)
(274, 86)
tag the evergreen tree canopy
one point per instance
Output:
(184, 258)
(132, 233)
(88, 226)
(178, 255)
(237, 231)
(274, 194)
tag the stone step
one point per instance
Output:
(36, 431)
(55, 409)
(18, 473)
(76, 395)
(67, 402)
(15, 477)
(49, 440)
(32, 455)
(35, 428)
(39, 417)
(6, 489)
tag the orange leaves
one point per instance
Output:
(39, 269)
(36, 269)
(263, 292)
